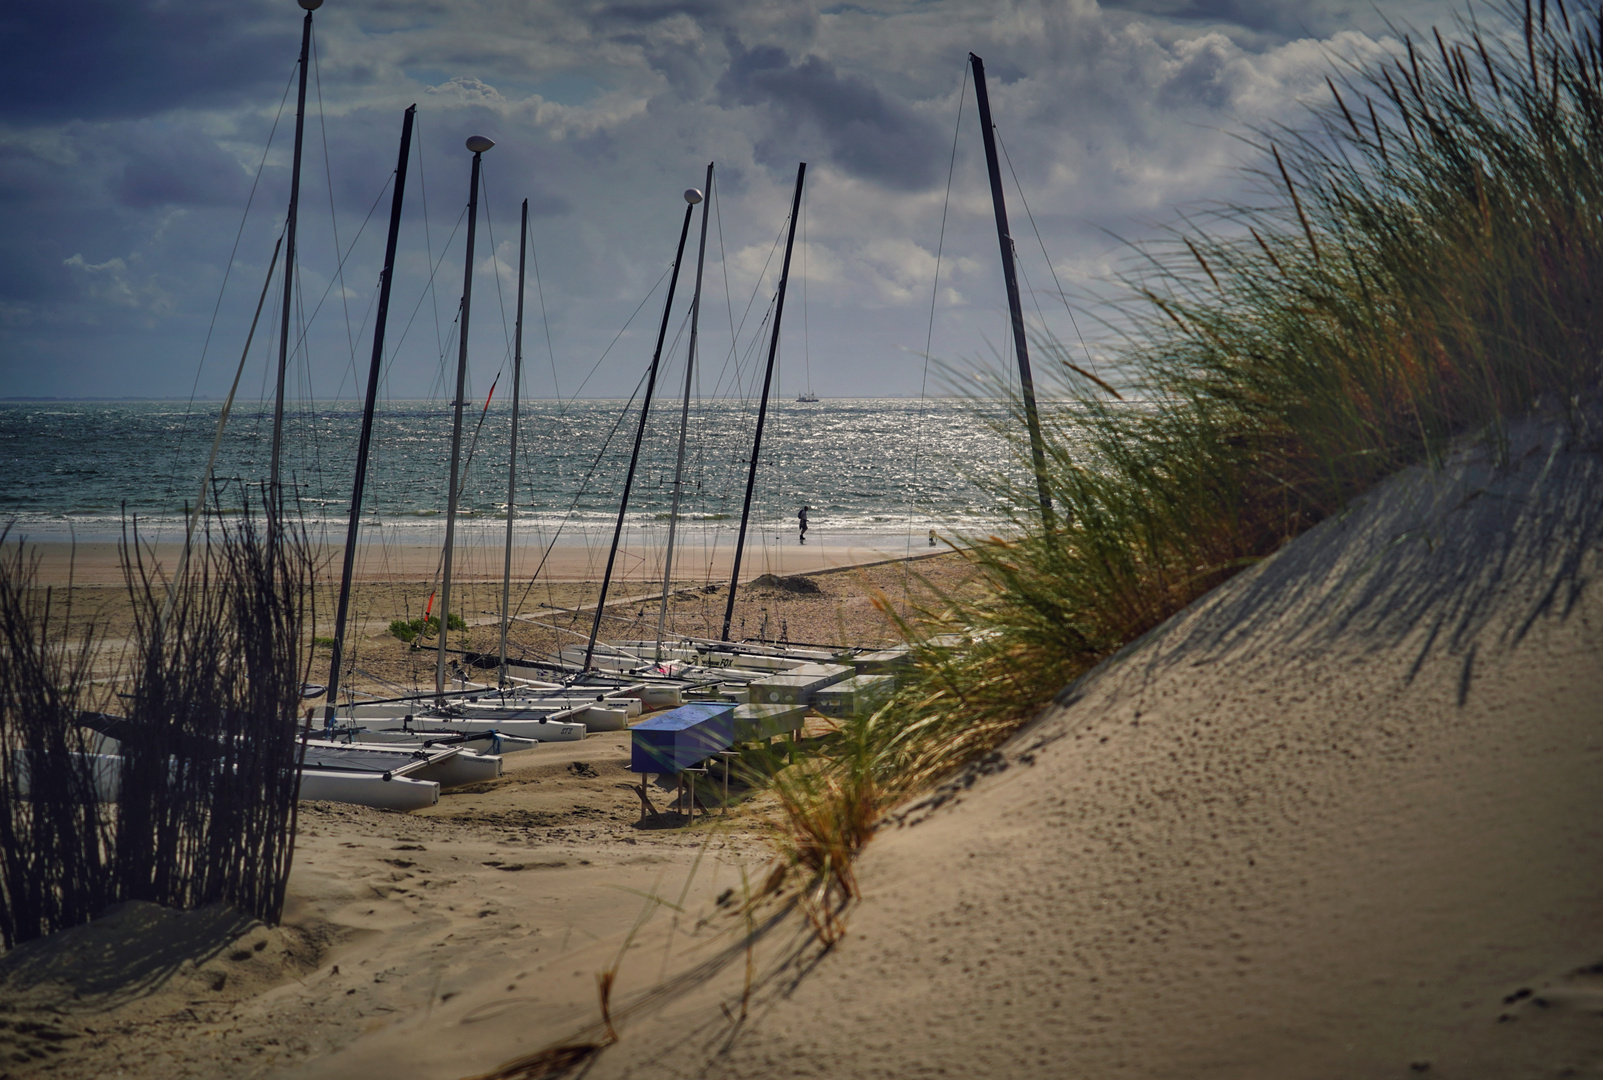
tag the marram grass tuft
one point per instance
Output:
(1423, 264)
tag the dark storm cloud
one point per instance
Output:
(25, 177)
(175, 166)
(109, 59)
(32, 270)
(867, 133)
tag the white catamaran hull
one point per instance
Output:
(369, 789)
(464, 767)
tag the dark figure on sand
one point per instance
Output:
(801, 516)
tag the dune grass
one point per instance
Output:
(1419, 263)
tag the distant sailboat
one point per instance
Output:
(807, 397)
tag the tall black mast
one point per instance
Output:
(684, 413)
(645, 410)
(512, 451)
(386, 278)
(762, 409)
(1005, 239)
(289, 257)
(478, 144)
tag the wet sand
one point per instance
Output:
(98, 562)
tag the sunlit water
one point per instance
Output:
(864, 467)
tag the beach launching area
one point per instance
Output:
(1338, 818)
(1221, 696)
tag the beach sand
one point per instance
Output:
(550, 612)
(1338, 819)
(390, 913)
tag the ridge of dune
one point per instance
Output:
(1342, 817)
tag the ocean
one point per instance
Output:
(863, 467)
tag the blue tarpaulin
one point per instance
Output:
(682, 737)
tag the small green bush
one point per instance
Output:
(411, 629)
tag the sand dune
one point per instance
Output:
(1340, 819)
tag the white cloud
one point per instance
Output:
(468, 90)
(604, 113)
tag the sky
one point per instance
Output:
(145, 151)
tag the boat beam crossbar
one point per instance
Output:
(762, 408)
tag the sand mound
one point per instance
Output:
(801, 586)
(1339, 819)
(138, 960)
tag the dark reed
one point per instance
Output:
(199, 804)
(209, 774)
(54, 833)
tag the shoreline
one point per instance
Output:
(583, 559)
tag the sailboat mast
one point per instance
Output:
(645, 410)
(273, 489)
(684, 414)
(478, 144)
(762, 408)
(1010, 276)
(364, 444)
(512, 451)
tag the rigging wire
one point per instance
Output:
(1061, 294)
(545, 322)
(807, 345)
(328, 175)
(423, 186)
(929, 330)
(723, 268)
(583, 486)
(300, 340)
(228, 271)
(495, 267)
(428, 289)
(619, 334)
(755, 289)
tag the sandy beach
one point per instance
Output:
(1337, 819)
(549, 613)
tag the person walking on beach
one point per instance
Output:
(801, 516)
